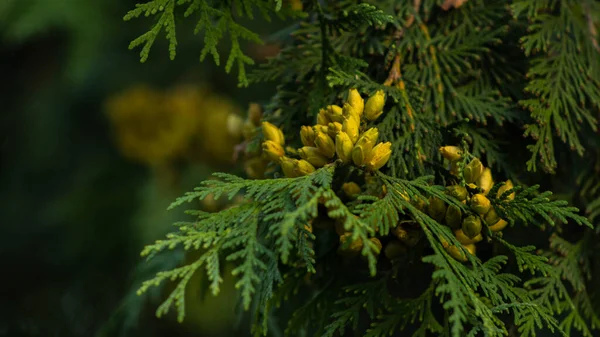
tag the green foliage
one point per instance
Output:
(215, 19)
(533, 208)
(563, 78)
(449, 76)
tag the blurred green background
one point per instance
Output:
(76, 206)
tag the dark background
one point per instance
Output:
(74, 212)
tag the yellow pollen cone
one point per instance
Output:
(325, 144)
(356, 101)
(307, 135)
(343, 147)
(379, 156)
(304, 168)
(273, 150)
(313, 156)
(273, 133)
(451, 153)
(374, 106)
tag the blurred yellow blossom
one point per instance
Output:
(156, 127)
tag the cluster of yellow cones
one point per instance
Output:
(467, 227)
(338, 135)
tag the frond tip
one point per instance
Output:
(215, 19)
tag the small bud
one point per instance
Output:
(465, 240)
(349, 248)
(491, 217)
(304, 168)
(323, 117)
(351, 189)
(320, 128)
(307, 135)
(235, 125)
(456, 253)
(458, 192)
(485, 181)
(350, 126)
(473, 171)
(308, 227)
(453, 217)
(374, 105)
(451, 153)
(325, 144)
(363, 147)
(273, 150)
(254, 113)
(480, 204)
(471, 226)
(498, 226)
(394, 249)
(379, 156)
(335, 113)
(358, 156)
(333, 128)
(350, 112)
(313, 156)
(273, 133)
(436, 209)
(356, 101)
(343, 147)
(507, 186)
(471, 248)
(288, 166)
